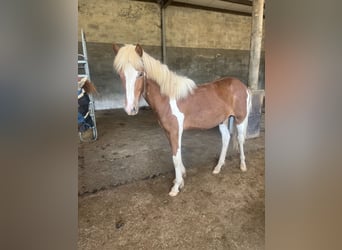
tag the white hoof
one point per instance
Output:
(218, 167)
(243, 167)
(176, 187)
(173, 193)
(216, 171)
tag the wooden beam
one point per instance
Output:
(166, 3)
(200, 7)
(242, 2)
(147, 1)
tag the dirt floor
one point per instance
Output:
(125, 177)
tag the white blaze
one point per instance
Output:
(131, 76)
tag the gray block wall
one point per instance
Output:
(201, 65)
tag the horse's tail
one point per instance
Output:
(234, 139)
(87, 85)
(244, 122)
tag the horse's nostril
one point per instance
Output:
(133, 110)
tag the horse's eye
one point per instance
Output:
(140, 74)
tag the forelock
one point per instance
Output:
(125, 56)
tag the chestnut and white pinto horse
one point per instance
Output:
(180, 104)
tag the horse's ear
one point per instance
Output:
(115, 48)
(139, 50)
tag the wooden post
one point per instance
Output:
(256, 38)
(162, 15)
(254, 118)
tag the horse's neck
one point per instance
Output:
(153, 97)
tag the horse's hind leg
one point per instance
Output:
(242, 132)
(241, 129)
(225, 142)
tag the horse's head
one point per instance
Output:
(87, 85)
(129, 65)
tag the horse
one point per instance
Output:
(180, 104)
(85, 123)
(85, 84)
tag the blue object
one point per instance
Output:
(83, 117)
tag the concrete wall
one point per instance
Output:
(202, 45)
(121, 21)
(206, 29)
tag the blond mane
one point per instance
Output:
(171, 84)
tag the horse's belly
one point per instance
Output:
(203, 120)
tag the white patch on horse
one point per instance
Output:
(131, 76)
(177, 159)
(225, 142)
(178, 182)
(242, 132)
(180, 118)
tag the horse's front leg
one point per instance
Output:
(175, 137)
(178, 182)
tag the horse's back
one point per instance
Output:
(232, 83)
(212, 103)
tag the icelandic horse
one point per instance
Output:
(180, 105)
